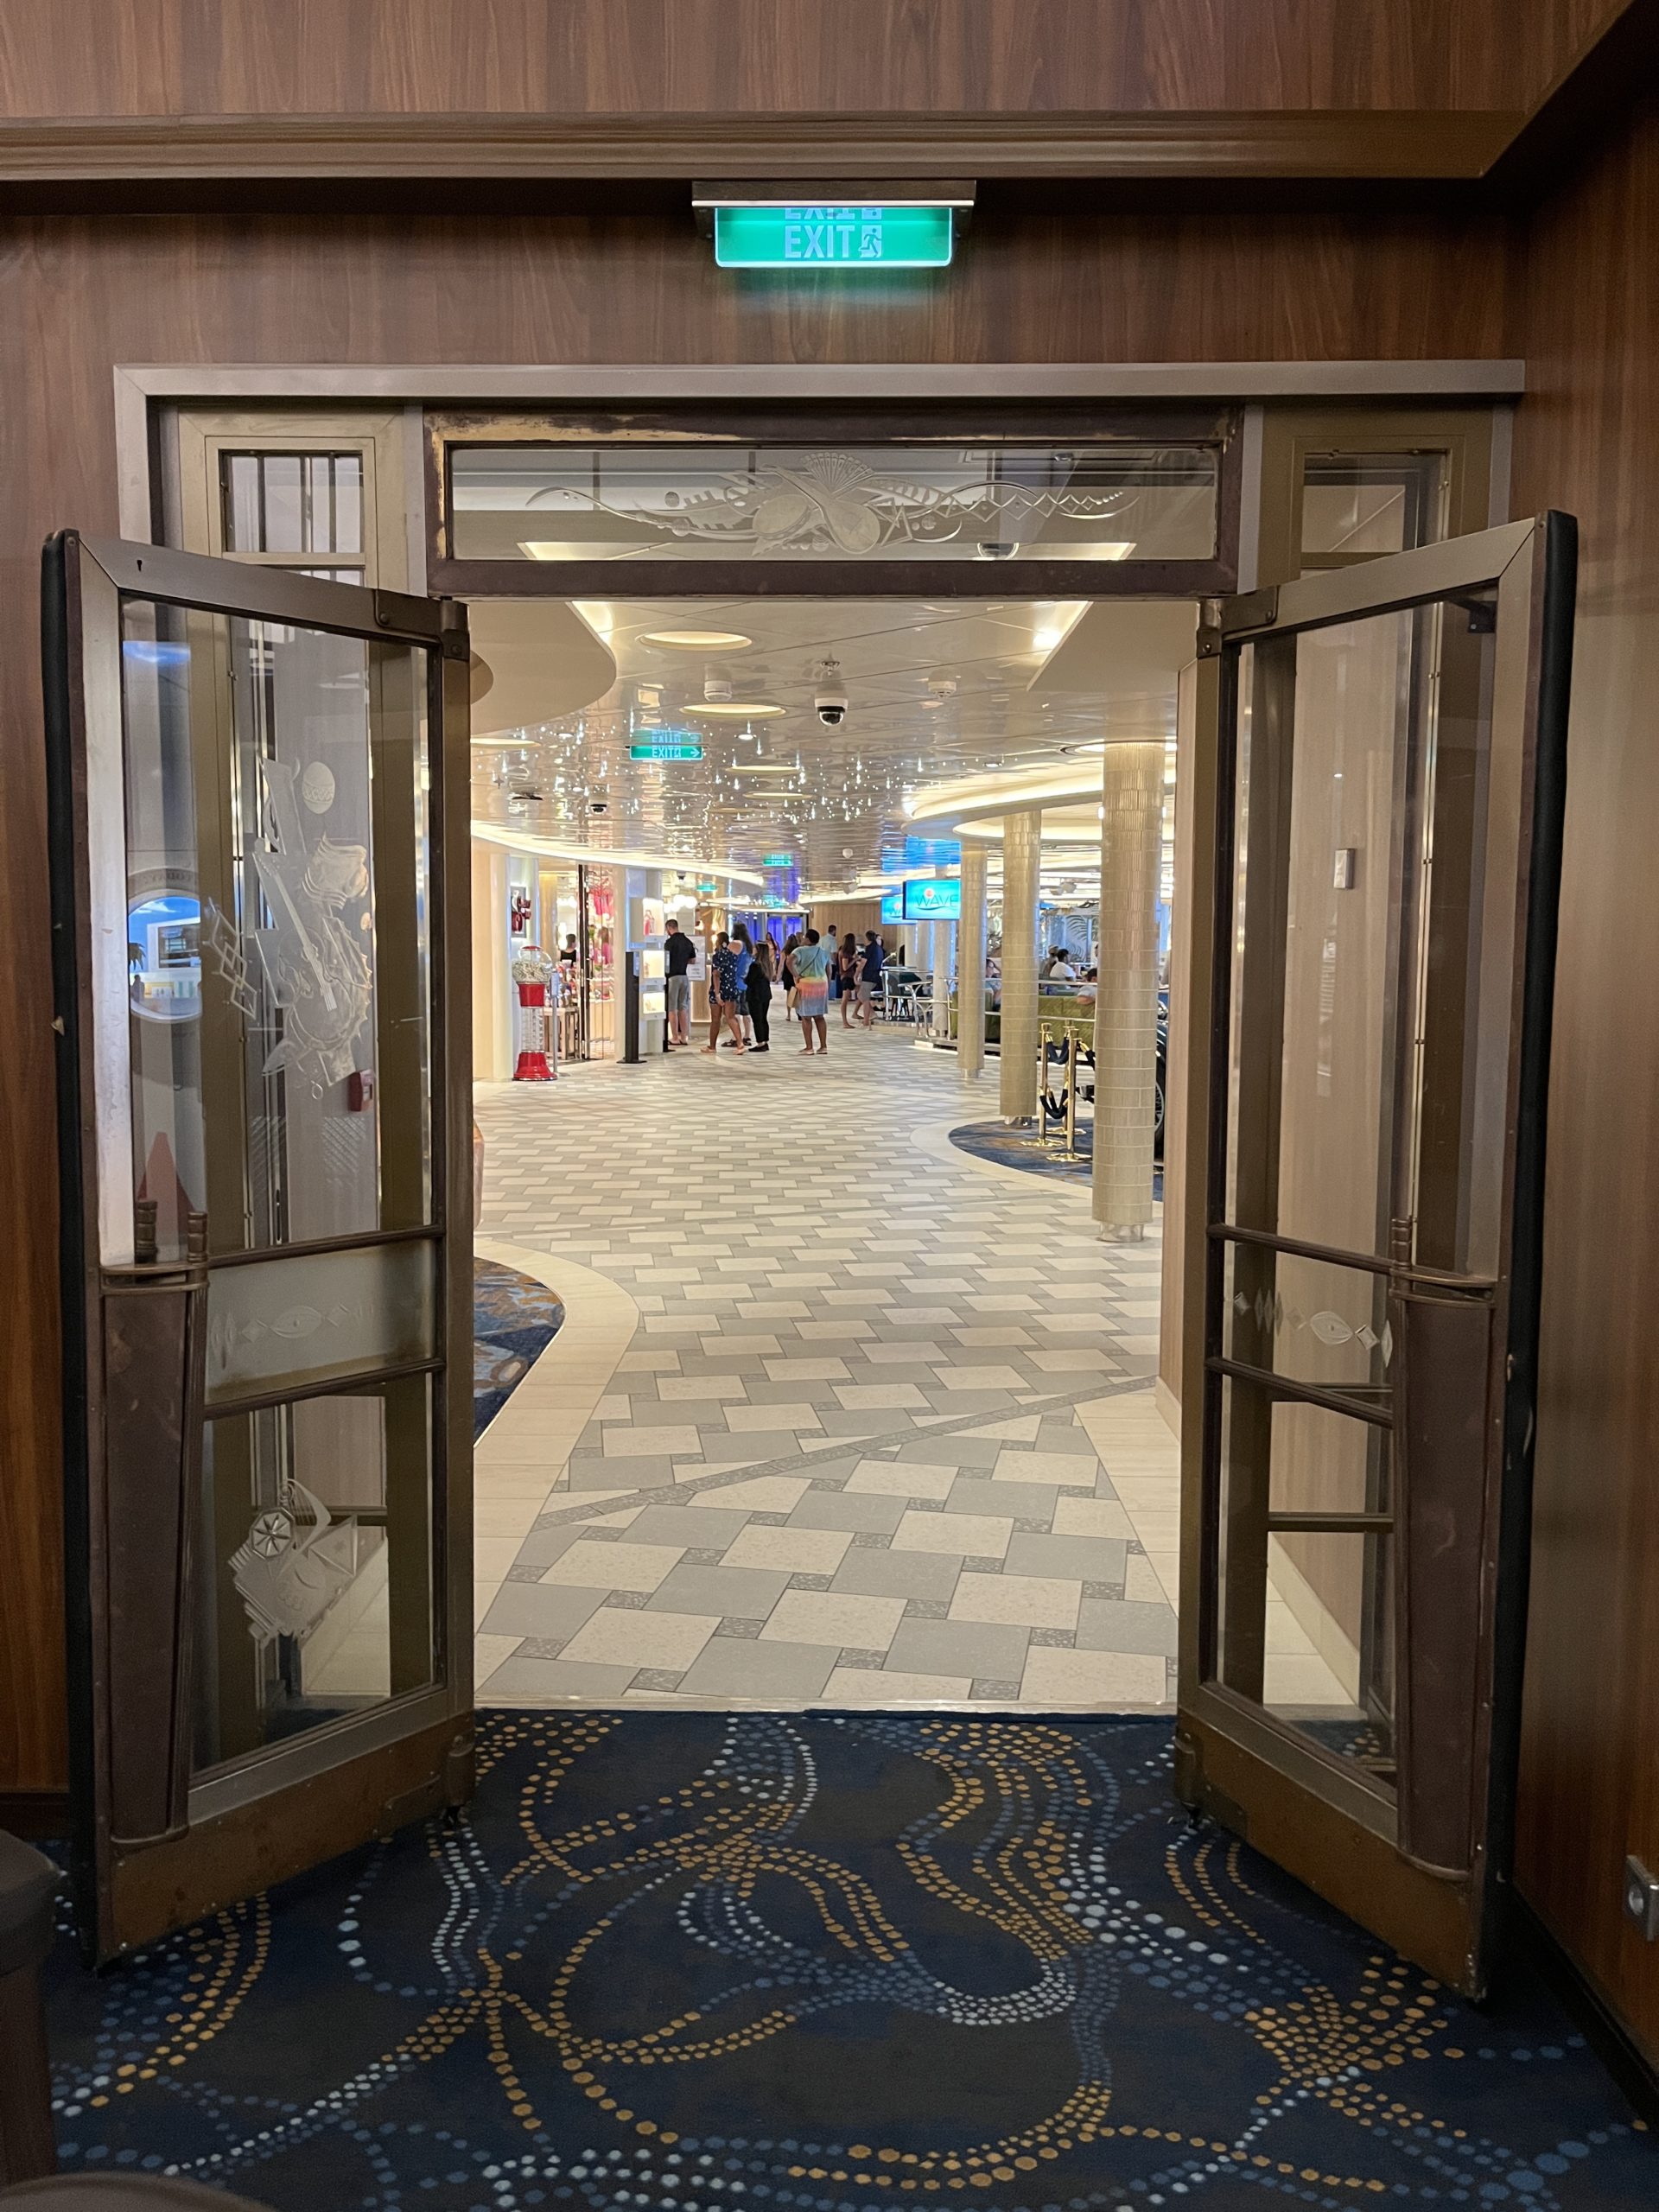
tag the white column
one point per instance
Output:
(1125, 1043)
(971, 961)
(939, 968)
(1022, 847)
(491, 986)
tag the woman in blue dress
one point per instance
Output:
(722, 994)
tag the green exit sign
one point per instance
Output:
(833, 237)
(665, 748)
(776, 860)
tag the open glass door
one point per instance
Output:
(1357, 1494)
(261, 974)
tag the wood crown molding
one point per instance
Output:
(1305, 143)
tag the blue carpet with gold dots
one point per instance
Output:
(514, 1320)
(823, 1963)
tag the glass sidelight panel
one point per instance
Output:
(314, 1592)
(292, 502)
(277, 934)
(1362, 849)
(1357, 506)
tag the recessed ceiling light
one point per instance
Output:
(763, 768)
(698, 641)
(748, 710)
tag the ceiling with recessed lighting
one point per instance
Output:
(935, 691)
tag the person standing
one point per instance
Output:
(871, 962)
(791, 946)
(743, 950)
(679, 957)
(758, 991)
(812, 962)
(722, 993)
(846, 977)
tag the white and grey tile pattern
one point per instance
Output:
(841, 1459)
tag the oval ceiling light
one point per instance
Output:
(698, 641)
(754, 710)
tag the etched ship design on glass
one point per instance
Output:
(293, 1564)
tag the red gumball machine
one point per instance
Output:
(531, 969)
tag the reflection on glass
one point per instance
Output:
(1356, 506)
(277, 955)
(316, 1565)
(292, 502)
(1306, 1624)
(1361, 854)
(906, 503)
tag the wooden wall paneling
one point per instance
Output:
(740, 57)
(1586, 313)
(78, 296)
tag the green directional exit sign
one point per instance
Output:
(880, 237)
(671, 745)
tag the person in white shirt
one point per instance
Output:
(1057, 968)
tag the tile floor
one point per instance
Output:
(839, 1414)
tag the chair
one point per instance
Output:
(28, 1882)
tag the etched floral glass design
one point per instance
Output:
(1109, 501)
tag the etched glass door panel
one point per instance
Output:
(258, 931)
(278, 880)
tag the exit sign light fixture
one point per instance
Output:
(671, 745)
(861, 225)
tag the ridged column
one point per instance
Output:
(1125, 1040)
(1022, 850)
(971, 961)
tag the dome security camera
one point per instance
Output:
(831, 696)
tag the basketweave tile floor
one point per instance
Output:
(825, 1423)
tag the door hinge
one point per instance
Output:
(457, 639)
(1251, 610)
(1209, 629)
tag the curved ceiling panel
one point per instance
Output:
(544, 661)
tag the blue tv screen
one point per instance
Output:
(933, 899)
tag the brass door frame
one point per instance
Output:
(1291, 437)
(1323, 1818)
(198, 1844)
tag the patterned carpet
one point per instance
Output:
(1007, 1147)
(514, 1320)
(826, 1963)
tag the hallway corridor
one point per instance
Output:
(838, 1413)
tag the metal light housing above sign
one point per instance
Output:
(864, 223)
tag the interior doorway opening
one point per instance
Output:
(844, 1443)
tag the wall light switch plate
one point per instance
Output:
(1642, 1898)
